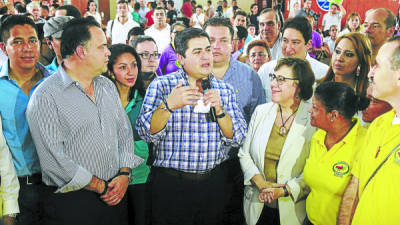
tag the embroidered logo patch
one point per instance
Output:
(397, 156)
(341, 168)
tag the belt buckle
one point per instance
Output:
(28, 182)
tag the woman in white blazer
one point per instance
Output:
(277, 145)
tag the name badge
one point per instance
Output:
(341, 168)
(397, 157)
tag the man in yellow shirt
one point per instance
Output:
(372, 195)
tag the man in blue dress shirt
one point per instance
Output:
(19, 77)
(248, 88)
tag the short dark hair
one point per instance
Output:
(220, 22)
(182, 39)
(340, 97)
(252, 5)
(302, 71)
(69, 38)
(300, 24)
(142, 38)
(135, 31)
(122, 2)
(250, 25)
(71, 11)
(268, 10)
(261, 43)
(116, 51)
(179, 23)
(171, 3)
(136, 6)
(19, 7)
(159, 8)
(45, 7)
(153, 5)
(241, 32)
(240, 12)
(334, 4)
(15, 20)
(199, 6)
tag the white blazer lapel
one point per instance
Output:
(296, 130)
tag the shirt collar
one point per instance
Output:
(351, 136)
(4, 71)
(65, 78)
(184, 75)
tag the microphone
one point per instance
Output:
(205, 84)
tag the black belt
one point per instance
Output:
(185, 175)
(30, 179)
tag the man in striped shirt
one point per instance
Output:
(188, 182)
(82, 134)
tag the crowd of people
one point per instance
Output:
(202, 116)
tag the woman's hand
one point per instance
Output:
(270, 194)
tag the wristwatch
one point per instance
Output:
(222, 115)
(128, 174)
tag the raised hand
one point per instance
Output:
(182, 96)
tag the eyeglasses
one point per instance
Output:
(147, 55)
(255, 54)
(280, 79)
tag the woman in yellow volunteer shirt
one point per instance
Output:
(333, 149)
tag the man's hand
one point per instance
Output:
(116, 190)
(182, 96)
(212, 96)
(8, 220)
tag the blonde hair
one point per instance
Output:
(363, 49)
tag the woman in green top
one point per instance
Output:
(124, 69)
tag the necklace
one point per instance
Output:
(282, 129)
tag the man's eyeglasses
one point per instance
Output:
(280, 79)
(147, 55)
(255, 54)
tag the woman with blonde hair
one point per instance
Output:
(351, 62)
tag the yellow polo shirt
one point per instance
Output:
(379, 203)
(327, 173)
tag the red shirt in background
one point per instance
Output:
(187, 9)
(149, 18)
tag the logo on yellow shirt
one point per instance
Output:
(397, 156)
(341, 168)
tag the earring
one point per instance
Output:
(358, 70)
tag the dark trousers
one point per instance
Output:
(269, 216)
(139, 205)
(180, 199)
(233, 211)
(30, 201)
(81, 207)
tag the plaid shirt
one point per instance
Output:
(190, 142)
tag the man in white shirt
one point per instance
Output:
(160, 30)
(117, 29)
(333, 17)
(269, 26)
(296, 39)
(229, 12)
